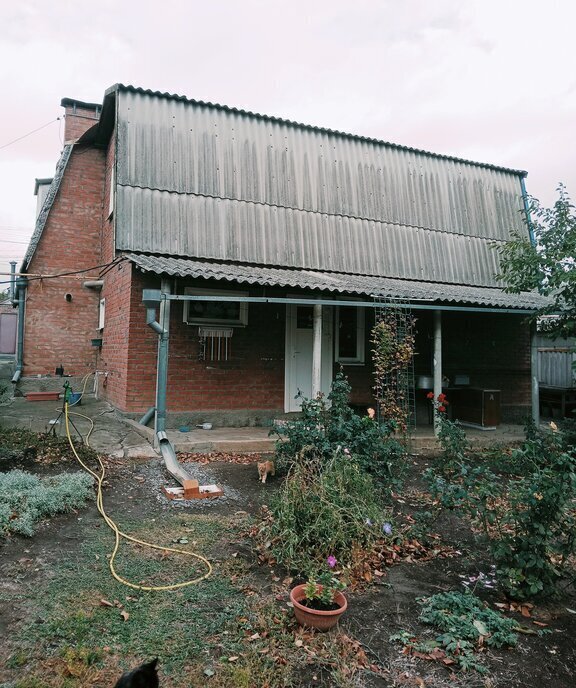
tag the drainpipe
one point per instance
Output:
(162, 376)
(12, 280)
(437, 363)
(21, 284)
(147, 417)
(316, 351)
(151, 299)
(534, 375)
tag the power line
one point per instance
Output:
(29, 133)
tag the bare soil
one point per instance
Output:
(385, 607)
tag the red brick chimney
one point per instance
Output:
(78, 117)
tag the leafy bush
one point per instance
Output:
(538, 529)
(529, 519)
(328, 509)
(25, 498)
(326, 426)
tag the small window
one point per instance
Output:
(101, 314)
(350, 335)
(231, 313)
(304, 317)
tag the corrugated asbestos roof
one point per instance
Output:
(46, 206)
(412, 291)
(203, 181)
(128, 88)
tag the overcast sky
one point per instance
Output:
(489, 80)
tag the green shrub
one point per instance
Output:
(25, 498)
(326, 426)
(529, 519)
(328, 509)
(538, 529)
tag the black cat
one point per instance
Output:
(144, 676)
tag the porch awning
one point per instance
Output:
(366, 285)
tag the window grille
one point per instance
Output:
(215, 343)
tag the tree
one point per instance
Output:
(548, 264)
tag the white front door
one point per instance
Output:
(299, 354)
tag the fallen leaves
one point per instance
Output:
(225, 457)
(117, 605)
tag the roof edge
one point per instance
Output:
(116, 88)
(47, 206)
(71, 102)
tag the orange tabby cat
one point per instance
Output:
(265, 467)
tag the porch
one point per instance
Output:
(258, 439)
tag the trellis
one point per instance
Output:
(394, 388)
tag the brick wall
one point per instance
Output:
(252, 379)
(58, 331)
(107, 247)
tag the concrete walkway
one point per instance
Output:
(122, 438)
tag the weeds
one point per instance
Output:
(317, 513)
(466, 625)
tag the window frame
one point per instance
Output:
(241, 321)
(360, 358)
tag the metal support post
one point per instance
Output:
(437, 362)
(317, 351)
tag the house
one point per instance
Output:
(263, 248)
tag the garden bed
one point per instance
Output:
(66, 622)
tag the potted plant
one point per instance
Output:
(319, 603)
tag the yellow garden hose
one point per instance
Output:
(117, 532)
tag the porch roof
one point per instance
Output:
(367, 285)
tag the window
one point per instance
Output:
(231, 313)
(350, 335)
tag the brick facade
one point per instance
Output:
(61, 314)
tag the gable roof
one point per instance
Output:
(198, 180)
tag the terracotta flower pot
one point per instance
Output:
(316, 618)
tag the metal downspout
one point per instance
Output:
(162, 375)
(147, 417)
(151, 298)
(21, 284)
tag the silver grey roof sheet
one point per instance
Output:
(47, 205)
(203, 181)
(117, 88)
(411, 290)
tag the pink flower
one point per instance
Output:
(331, 561)
(430, 395)
(441, 409)
(371, 413)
